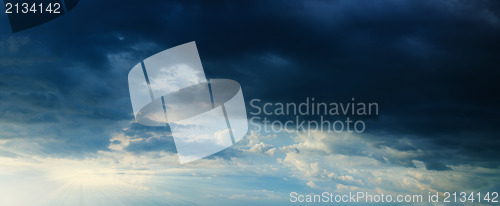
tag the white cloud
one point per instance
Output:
(121, 141)
(322, 161)
(262, 148)
(312, 185)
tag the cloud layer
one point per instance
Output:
(431, 66)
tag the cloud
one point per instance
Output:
(262, 148)
(64, 96)
(372, 169)
(300, 162)
(413, 65)
(312, 185)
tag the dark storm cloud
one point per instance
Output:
(430, 65)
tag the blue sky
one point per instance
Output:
(68, 134)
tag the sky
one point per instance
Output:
(68, 134)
